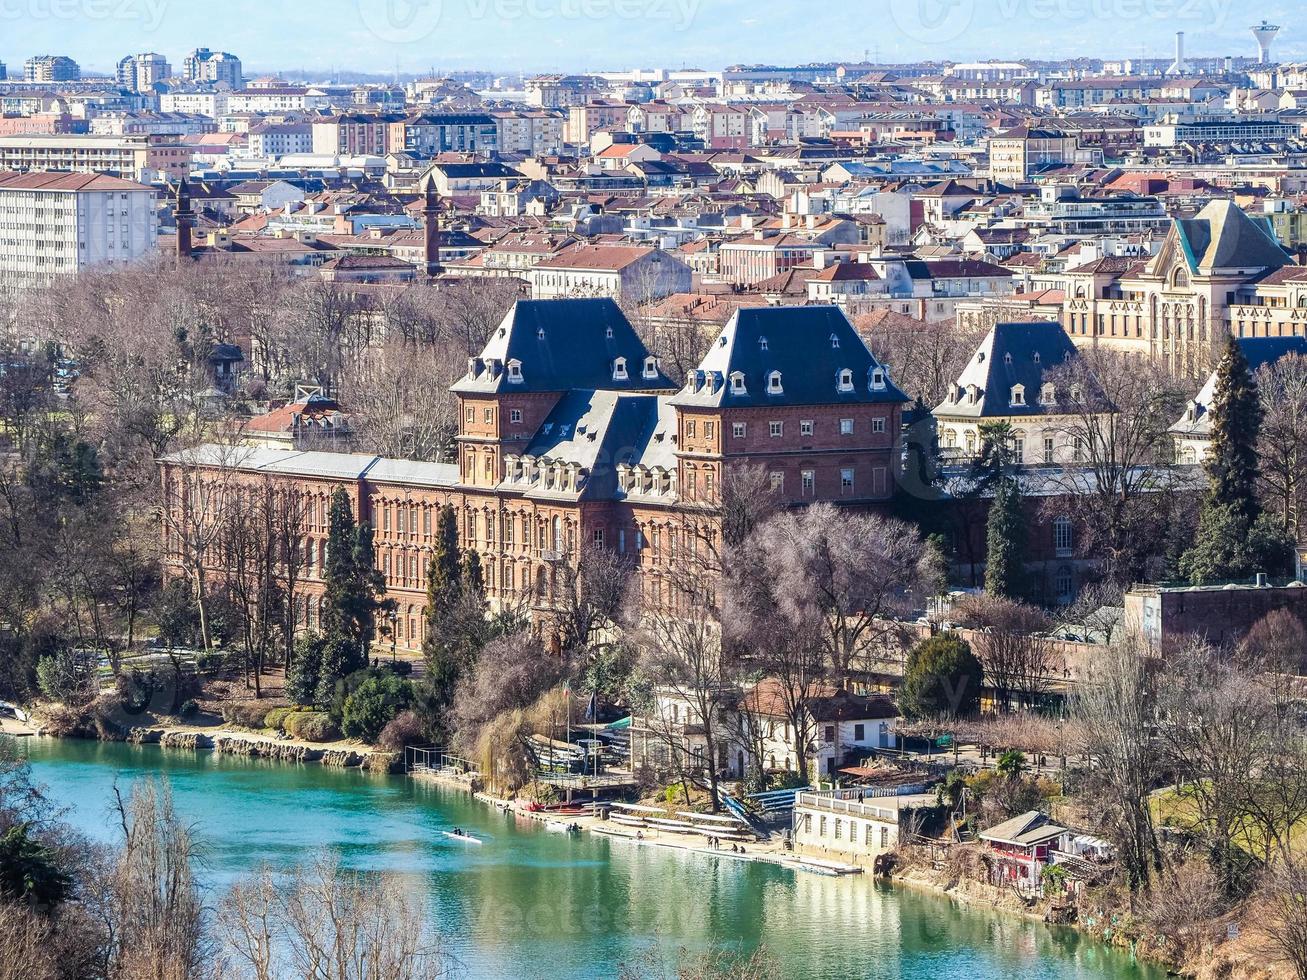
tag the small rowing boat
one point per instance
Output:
(465, 838)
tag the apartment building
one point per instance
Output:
(141, 72)
(428, 133)
(138, 158)
(211, 104)
(534, 133)
(203, 65)
(50, 68)
(55, 224)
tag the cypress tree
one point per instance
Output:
(444, 577)
(1005, 541)
(352, 584)
(1236, 421)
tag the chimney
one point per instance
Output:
(431, 229)
(185, 217)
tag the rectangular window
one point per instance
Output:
(708, 429)
(830, 733)
(471, 414)
(837, 827)
(426, 521)
(808, 482)
(884, 837)
(488, 416)
(737, 430)
(778, 482)
(846, 427)
(859, 732)
(385, 518)
(515, 415)
(805, 427)
(777, 429)
(867, 838)
(1048, 449)
(599, 537)
(846, 481)
(689, 429)
(877, 425)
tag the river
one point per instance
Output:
(530, 903)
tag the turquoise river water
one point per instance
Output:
(530, 903)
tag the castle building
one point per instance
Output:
(571, 436)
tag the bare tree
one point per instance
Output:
(680, 642)
(1282, 439)
(1114, 709)
(1281, 923)
(1013, 645)
(398, 399)
(1116, 482)
(924, 357)
(323, 921)
(153, 914)
(845, 576)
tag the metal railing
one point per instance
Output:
(832, 803)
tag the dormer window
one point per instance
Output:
(1018, 394)
(774, 383)
(619, 369)
(1007, 358)
(973, 394)
(1076, 395)
(1047, 394)
(762, 343)
(609, 333)
(651, 367)
(877, 379)
(737, 383)
(845, 379)
(834, 342)
(1036, 357)
(514, 370)
(540, 334)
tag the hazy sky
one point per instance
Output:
(539, 35)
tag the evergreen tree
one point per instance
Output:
(352, 589)
(1235, 539)
(1005, 541)
(1236, 421)
(942, 677)
(444, 578)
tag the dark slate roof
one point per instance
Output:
(1011, 354)
(809, 345)
(1260, 351)
(561, 344)
(598, 430)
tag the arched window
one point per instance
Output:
(1047, 394)
(737, 383)
(774, 383)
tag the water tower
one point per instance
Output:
(1265, 34)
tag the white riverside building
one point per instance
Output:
(54, 224)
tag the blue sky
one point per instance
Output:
(541, 35)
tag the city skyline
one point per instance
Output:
(416, 36)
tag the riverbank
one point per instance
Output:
(222, 739)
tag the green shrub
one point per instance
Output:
(66, 677)
(276, 718)
(311, 726)
(247, 714)
(373, 704)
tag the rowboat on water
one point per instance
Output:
(465, 838)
